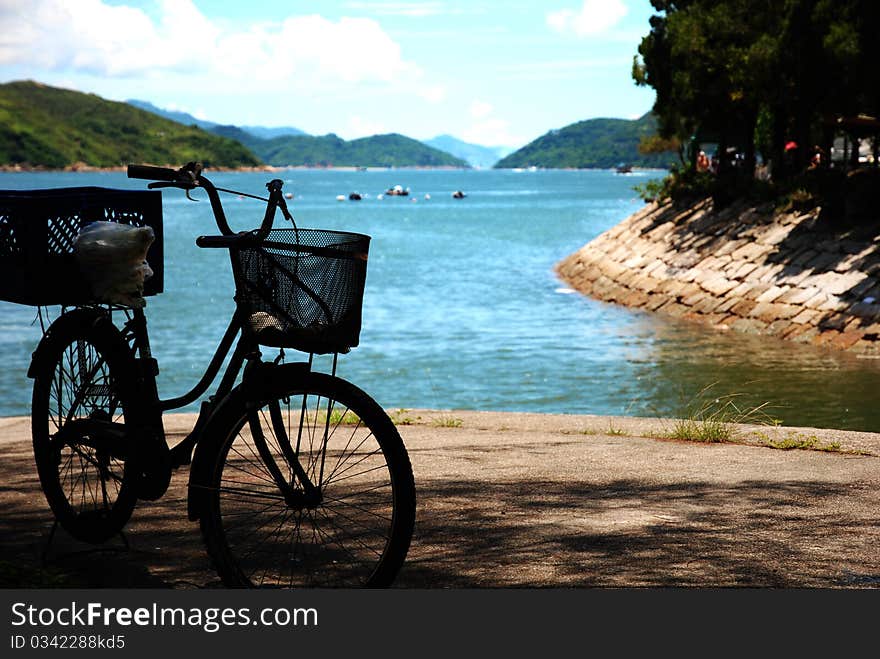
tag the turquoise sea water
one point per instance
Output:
(462, 307)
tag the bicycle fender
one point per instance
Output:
(73, 318)
(260, 384)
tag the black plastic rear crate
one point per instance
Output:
(37, 233)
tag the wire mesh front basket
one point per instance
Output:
(38, 229)
(303, 288)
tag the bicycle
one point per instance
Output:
(298, 478)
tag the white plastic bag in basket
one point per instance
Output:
(112, 258)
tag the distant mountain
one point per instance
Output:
(268, 133)
(288, 146)
(54, 128)
(390, 150)
(180, 117)
(238, 134)
(188, 120)
(475, 154)
(594, 143)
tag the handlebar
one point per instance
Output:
(190, 176)
(151, 173)
(239, 240)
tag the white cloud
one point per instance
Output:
(360, 127)
(488, 129)
(433, 93)
(594, 17)
(492, 132)
(92, 37)
(480, 109)
(412, 9)
(95, 38)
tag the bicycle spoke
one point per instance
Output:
(353, 560)
(366, 547)
(354, 520)
(255, 463)
(355, 464)
(252, 494)
(345, 530)
(276, 548)
(82, 478)
(260, 542)
(342, 453)
(359, 493)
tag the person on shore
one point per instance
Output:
(702, 162)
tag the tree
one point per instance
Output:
(708, 63)
(756, 74)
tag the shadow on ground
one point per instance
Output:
(623, 533)
(515, 533)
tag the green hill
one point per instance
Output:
(390, 150)
(44, 126)
(595, 143)
(285, 146)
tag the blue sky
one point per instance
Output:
(497, 73)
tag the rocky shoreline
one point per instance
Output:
(798, 275)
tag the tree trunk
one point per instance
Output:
(749, 140)
(779, 169)
(854, 153)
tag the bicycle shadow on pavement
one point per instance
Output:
(515, 533)
(159, 548)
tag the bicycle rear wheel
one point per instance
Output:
(82, 391)
(355, 532)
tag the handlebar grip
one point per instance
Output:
(242, 239)
(151, 173)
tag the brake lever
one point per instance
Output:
(186, 187)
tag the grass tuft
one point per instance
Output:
(795, 440)
(447, 422)
(612, 430)
(401, 418)
(708, 418)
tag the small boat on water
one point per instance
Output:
(397, 191)
(458, 194)
(355, 196)
(623, 168)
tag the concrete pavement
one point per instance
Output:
(528, 500)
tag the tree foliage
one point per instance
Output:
(756, 75)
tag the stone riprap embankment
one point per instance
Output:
(795, 275)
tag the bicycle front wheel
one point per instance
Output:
(346, 513)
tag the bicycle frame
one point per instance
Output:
(154, 406)
(187, 178)
(245, 349)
